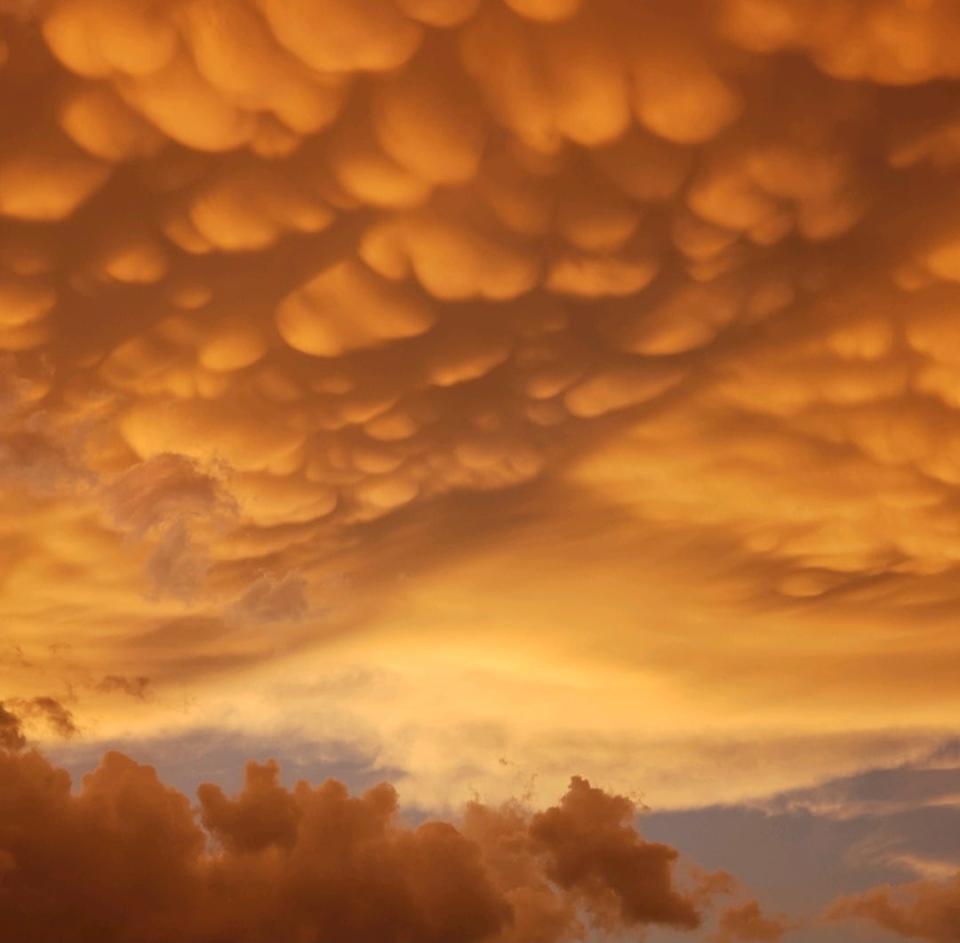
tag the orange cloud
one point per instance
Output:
(747, 923)
(11, 734)
(353, 333)
(922, 910)
(124, 858)
(48, 709)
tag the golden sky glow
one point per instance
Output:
(505, 390)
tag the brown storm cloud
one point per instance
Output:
(285, 286)
(49, 710)
(747, 923)
(126, 859)
(921, 910)
(11, 732)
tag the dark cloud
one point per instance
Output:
(592, 849)
(921, 910)
(58, 718)
(135, 687)
(124, 859)
(746, 923)
(11, 733)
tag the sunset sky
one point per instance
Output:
(547, 408)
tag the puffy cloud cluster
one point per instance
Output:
(345, 257)
(896, 43)
(922, 910)
(125, 859)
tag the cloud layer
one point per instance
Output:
(579, 359)
(429, 246)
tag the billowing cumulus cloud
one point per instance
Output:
(126, 857)
(921, 910)
(747, 923)
(580, 359)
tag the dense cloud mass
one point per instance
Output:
(11, 731)
(921, 910)
(272, 269)
(125, 859)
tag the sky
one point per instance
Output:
(479, 471)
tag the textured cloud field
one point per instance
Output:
(500, 389)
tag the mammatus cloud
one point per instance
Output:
(125, 859)
(343, 258)
(580, 359)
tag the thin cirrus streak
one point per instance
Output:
(496, 390)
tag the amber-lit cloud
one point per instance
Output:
(565, 382)
(920, 910)
(48, 709)
(125, 858)
(746, 922)
(289, 291)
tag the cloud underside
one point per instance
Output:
(588, 367)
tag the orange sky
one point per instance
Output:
(505, 390)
